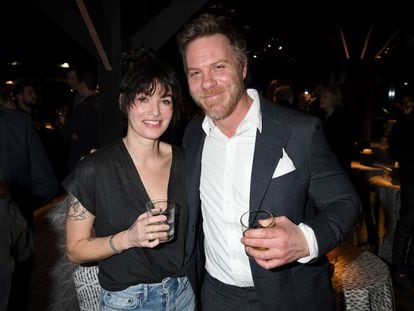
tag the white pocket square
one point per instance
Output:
(284, 166)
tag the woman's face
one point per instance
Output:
(150, 115)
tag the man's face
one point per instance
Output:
(29, 95)
(215, 80)
(72, 80)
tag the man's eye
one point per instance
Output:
(219, 67)
(166, 101)
(194, 73)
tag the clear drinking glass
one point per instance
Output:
(255, 220)
(163, 207)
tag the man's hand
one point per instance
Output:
(284, 243)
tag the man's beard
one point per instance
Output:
(220, 110)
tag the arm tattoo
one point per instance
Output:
(75, 210)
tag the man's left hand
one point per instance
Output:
(283, 243)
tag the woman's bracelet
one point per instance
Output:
(111, 244)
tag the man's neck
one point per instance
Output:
(24, 107)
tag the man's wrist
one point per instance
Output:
(312, 243)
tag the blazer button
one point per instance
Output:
(192, 228)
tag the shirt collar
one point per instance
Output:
(253, 116)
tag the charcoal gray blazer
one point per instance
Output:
(317, 193)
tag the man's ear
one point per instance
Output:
(244, 71)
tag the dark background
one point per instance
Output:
(37, 35)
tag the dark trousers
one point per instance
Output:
(217, 296)
(403, 249)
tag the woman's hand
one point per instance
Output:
(147, 231)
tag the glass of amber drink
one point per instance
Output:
(255, 220)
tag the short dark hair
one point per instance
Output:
(283, 92)
(20, 86)
(208, 25)
(86, 74)
(143, 72)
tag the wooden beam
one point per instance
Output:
(163, 26)
(364, 49)
(344, 44)
(378, 55)
(94, 35)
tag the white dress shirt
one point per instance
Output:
(226, 167)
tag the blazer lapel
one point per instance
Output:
(268, 151)
(193, 166)
(193, 149)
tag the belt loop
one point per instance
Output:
(166, 282)
(145, 287)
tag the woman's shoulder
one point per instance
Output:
(102, 155)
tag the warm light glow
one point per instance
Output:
(255, 56)
(64, 65)
(269, 45)
(367, 151)
(405, 83)
(280, 48)
(10, 82)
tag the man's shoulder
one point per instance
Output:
(16, 122)
(14, 115)
(289, 116)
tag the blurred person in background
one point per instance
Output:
(283, 95)
(73, 82)
(336, 127)
(6, 101)
(26, 97)
(31, 183)
(402, 150)
(82, 128)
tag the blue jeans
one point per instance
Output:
(172, 294)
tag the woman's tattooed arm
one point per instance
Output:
(75, 210)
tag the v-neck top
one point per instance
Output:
(108, 185)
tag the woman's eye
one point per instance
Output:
(166, 101)
(141, 99)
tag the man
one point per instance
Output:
(73, 82)
(82, 128)
(26, 97)
(25, 169)
(249, 154)
(402, 150)
(283, 96)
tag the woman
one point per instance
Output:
(108, 191)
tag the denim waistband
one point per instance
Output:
(167, 282)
